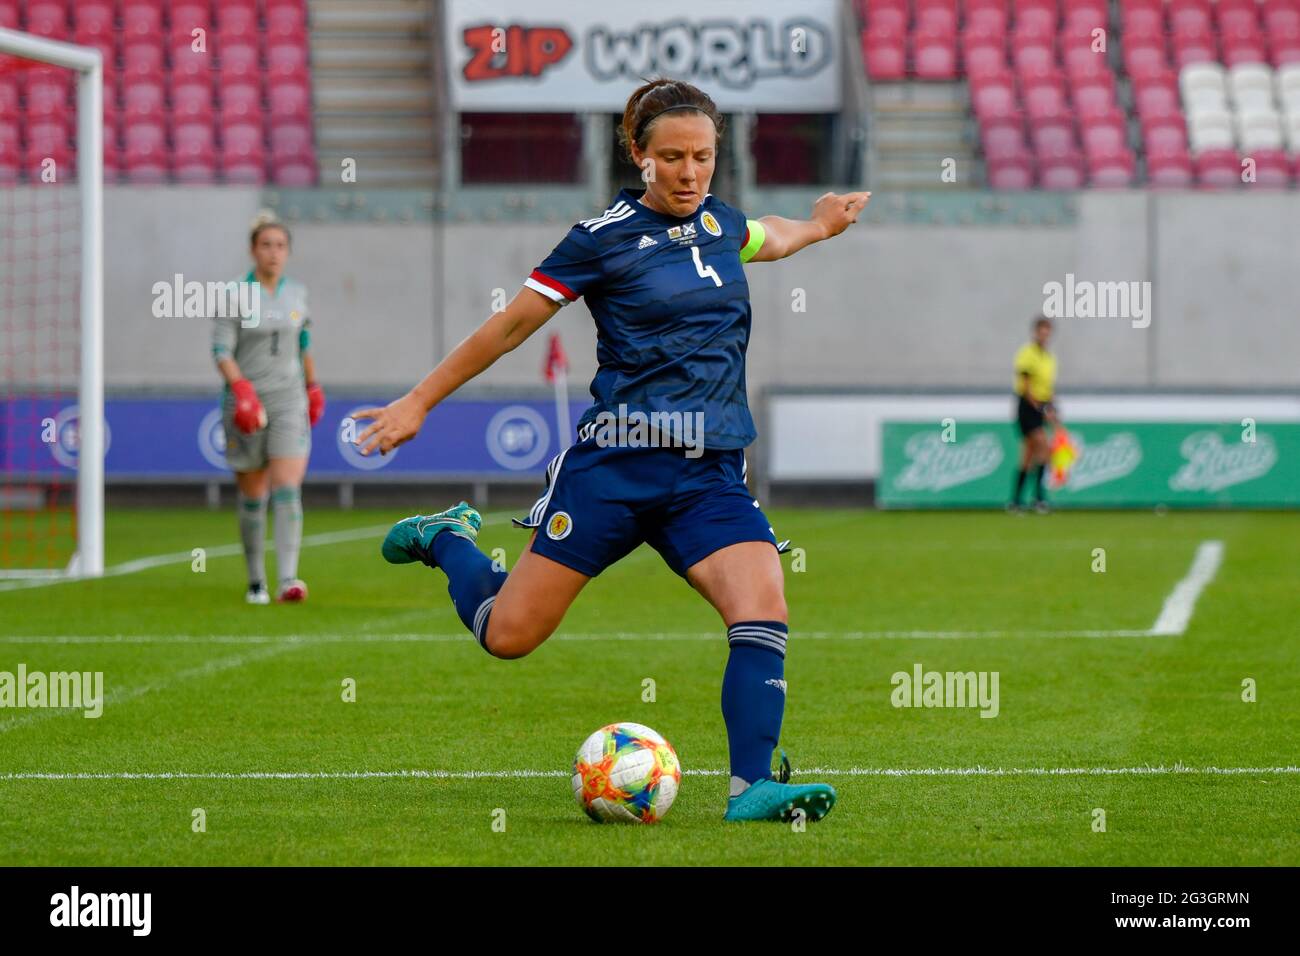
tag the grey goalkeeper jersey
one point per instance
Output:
(268, 344)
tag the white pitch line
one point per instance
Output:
(1143, 771)
(1178, 607)
(219, 551)
(464, 636)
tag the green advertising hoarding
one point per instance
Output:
(1119, 465)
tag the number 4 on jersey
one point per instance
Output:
(705, 272)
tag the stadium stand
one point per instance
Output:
(231, 103)
(1066, 95)
(375, 98)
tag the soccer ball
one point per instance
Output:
(626, 772)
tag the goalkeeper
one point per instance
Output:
(270, 402)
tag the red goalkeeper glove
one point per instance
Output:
(249, 413)
(315, 403)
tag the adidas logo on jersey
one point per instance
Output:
(646, 242)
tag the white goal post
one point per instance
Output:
(86, 61)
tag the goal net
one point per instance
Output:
(52, 439)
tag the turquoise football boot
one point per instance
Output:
(775, 798)
(411, 539)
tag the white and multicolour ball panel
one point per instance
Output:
(626, 772)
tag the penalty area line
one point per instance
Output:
(978, 771)
(1176, 613)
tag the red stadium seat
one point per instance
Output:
(289, 100)
(293, 173)
(242, 136)
(1053, 138)
(240, 100)
(885, 21)
(93, 19)
(143, 58)
(1218, 168)
(144, 100)
(188, 62)
(1082, 62)
(994, 99)
(1200, 47)
(1157, 97)
(1033, 55)
(142, 20)
(47, 137)
(1092, 100)
(48, 18)
(1045, 101)
(1064, 173)
(287, 23)
(194, 139)
(189, 15)
(1238, 51)
(145, 165)
(1165, 136)
(47, 98)
(1036, 19)
(9, 109)
(1084, 16)
(1189, 16)
(1170, 173)
(1104, 137)
(192, 102)
(935, 56)
(1112, 170)
(143, 134)
(885, 56)
(237, 22)
(239, 59)
(244, 169)
(9, 14)
(1003, 140)
(1272, 168)
(1282, 18)
(291, 139)
(1012, 173)
(983, 57)
(286, 58)
(986, 16)
(1144, 58)
(939, 19)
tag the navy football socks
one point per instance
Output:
(753, 698)
(472, 582)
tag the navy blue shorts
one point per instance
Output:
(601, 502)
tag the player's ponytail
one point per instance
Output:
(656, 97)
(266, 219)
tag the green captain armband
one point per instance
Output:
(304, 339)
(755, 236)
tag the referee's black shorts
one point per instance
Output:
(1030, 418)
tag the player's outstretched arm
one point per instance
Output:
(504, 331)
(832, 214)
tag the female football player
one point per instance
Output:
(661, 272)
(271, 400)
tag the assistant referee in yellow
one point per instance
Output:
(1035, 387)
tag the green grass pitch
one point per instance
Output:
(198, 683)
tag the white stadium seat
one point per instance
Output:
(1210, 129)
(1259, 129)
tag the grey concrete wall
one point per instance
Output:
(885, 305)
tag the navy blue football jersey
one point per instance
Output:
(672, 311)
